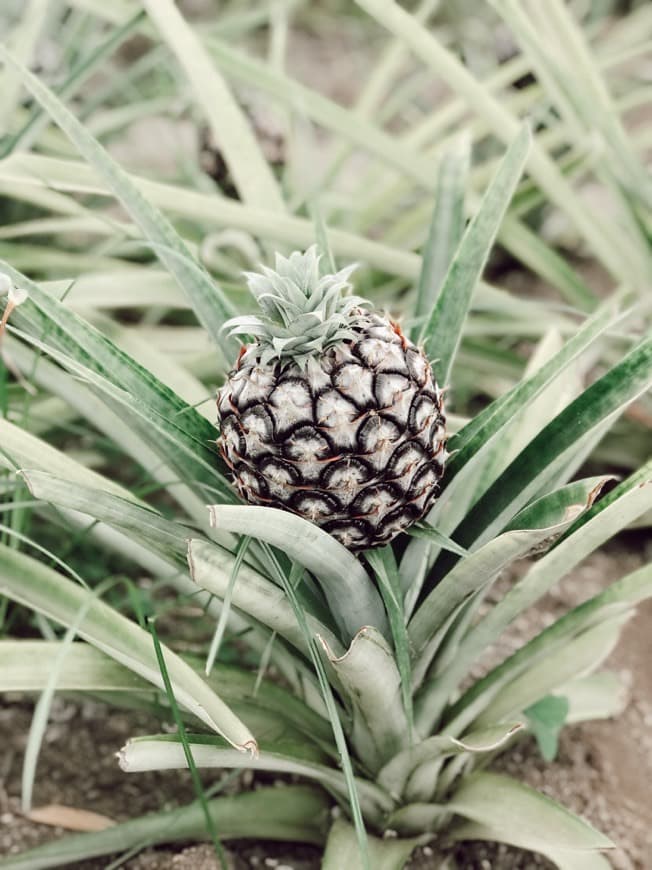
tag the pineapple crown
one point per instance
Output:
(303, 313)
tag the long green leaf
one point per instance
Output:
(546, 518)
(56, 328)
(494, 802)
(446, 228)
(622, 594)
(81, 399)
(165, 752)
(442, 333)
(193, 462)
(230, 128)
(30, 583)
(25, 666)
(350, 593)
(210, 568)
(26, 450)
(212, 308)
(142, 523)
(579, 657)
(468, 442)
(521, 480)
(294, 813)
(631, 502)
(395, 774)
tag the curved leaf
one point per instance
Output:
(33, 584)
(621, 595)
(210, 568)
(350, 593)
(210, 304)
(295, 813)
(496, 802)
(372, 685)
(165, 752)
(541, 577)
(395, 773)
(581, 656)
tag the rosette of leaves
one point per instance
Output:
(375, 704)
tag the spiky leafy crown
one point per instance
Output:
(303, 313)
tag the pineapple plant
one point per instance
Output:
(357, 569)
(332, 413)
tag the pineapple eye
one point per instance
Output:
(356, 383)
(422, 412)
(346, 475)
(381, 356)
(305, 444)
(316, 505)
(352, 533)
(293, 404)
(377, 433)
(377, 500)
(405, 458)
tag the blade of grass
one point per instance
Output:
(385, 569)
(196, 781)
(34, 585)
(220, 628)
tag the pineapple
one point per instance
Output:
(331, 413)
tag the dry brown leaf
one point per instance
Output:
(69, 818)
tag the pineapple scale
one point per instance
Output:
(355, 441)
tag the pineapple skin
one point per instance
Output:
(353, 441)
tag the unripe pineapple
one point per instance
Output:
(331, 412)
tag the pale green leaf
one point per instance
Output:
(210, 304)
(350, 594)
(442, 333)
(293, 813)
(34, 585)
(372, 685)
(495, 801)
(229, 126)
(384, 854)
(165, 752)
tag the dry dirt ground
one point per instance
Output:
(603, 771)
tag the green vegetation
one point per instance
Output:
(443, 180)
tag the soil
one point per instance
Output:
(603, 769)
